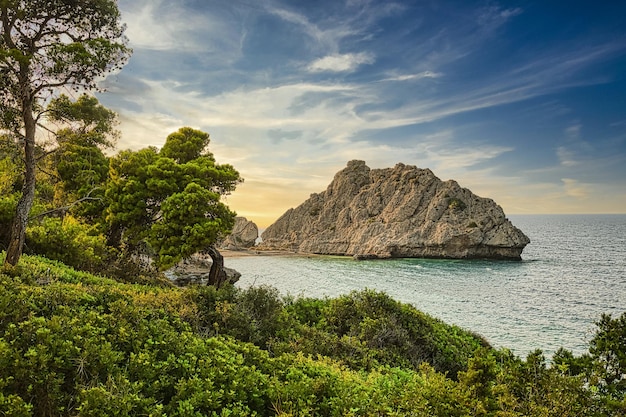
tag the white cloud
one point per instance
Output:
(412, 77)
(159, 25)
(140, 130)
(325, 39)
(341, 63)
(146, 30)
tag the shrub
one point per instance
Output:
(69, 241)
(398, 334)
(8, 203)
(80, 345)
(456, 204)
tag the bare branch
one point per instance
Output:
(64, 209)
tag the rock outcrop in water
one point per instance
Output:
(243, 236)
(195, 271)
(393, 213)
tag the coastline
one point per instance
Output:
(229, 253)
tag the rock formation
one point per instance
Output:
(200, 277)
(393, 213)
(243, 236)
(195, 271)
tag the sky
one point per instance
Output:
(521, 101)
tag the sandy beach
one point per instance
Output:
(227, 253)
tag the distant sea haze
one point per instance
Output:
(573, 270)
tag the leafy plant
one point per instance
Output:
(69, 241)
(78, 344)
(456, 204)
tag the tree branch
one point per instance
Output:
(69, 206)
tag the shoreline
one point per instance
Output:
(229, 253)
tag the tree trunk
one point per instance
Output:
(18, 228)
(217, 276)
(114, 236)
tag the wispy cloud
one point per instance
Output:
(414, 77)
(494, 16)
(341, 63)
(326, 36)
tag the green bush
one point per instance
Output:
(8, 203)
(456, 204)
(80, 345)
(398, 334)
(69, 241)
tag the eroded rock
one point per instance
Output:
(396, 212)
(243, 236)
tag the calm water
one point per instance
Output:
(573, 271)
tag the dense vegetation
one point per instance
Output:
(97, 212)
(46, 45)
(75, 344)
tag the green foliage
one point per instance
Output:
(362, 330)
(186, 145)
(171, 198)
(69, 241)
(79, 345)
(608, 350)
(8, 203)
(539, 390)
(8, 175)
(37, 269)
(13, 405)
(45, 45)
(78, 169)
(83, 172)
(133, 201)
(192, 219)
(456, 204)
(398, 334)
(86, 120)
(68, 44)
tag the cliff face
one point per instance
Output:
(243, 236)
(396, 212)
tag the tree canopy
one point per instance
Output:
(46, 45)
(170, 198)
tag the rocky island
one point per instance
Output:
(399, 212)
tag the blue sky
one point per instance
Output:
(520, 101)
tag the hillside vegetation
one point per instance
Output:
(75, 344)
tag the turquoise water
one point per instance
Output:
(573, 270)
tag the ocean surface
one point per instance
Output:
(573, 270)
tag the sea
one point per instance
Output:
(572, 272)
